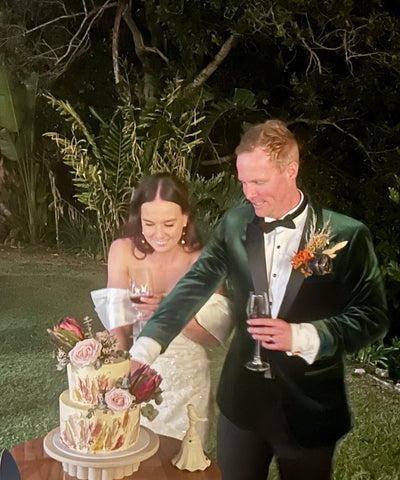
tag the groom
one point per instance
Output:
(326, 298)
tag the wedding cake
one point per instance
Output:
(100, 411)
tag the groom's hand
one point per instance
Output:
(274, 333)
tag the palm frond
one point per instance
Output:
(65, 109)
(136, 142)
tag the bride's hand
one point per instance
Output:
(149, 304)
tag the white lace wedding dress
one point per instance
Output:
(185, 372)
(184, 366)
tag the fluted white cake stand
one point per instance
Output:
(95, 466)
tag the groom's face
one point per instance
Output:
(270, 189)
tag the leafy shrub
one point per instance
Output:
(107, 165)
(381, 355)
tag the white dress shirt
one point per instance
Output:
(280, 245)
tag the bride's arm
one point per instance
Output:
(199, 334)
(123, 336)
(117, 267)
(213, 322)
(118, 277)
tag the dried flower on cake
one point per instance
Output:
(316, 258)
(66, 333)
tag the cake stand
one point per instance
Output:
(98, 466)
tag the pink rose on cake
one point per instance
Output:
(118, 399)
(85, 352)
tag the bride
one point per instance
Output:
(160, 239)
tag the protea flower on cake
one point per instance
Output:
(144, 384)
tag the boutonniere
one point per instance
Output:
(316, 258)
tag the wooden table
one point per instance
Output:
(35, 464)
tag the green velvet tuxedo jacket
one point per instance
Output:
(347, 307)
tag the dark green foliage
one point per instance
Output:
(377, 354)
(137, 142)
(381, 355)
(25, 217)
(211, 198)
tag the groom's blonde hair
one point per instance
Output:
(274, 138)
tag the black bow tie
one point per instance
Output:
(286, 221)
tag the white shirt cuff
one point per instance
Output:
(305, 341)
(145, 350)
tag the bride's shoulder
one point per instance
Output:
(121, 247)
(122, 251)
(121, 244)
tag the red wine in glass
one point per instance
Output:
(258, 307)
(136, 298)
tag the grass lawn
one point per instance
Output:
(39, 288)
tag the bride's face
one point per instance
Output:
(162, 224)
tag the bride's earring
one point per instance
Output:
(183, 239)
(142, 240)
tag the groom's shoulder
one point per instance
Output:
(339, 217)
(243, 212)
(340, 221)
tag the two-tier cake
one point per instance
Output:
(100, 411)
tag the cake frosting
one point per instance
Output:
(87, 424)
(85, 383)
(97, 431)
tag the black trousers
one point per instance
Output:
(246, 455)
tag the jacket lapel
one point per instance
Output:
(296, 278)
(254, 244)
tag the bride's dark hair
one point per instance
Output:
(169, 188)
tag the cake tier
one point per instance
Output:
(89, 430)
(85, 383)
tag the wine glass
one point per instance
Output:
(140, 285)
(258, 307)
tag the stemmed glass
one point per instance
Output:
(258, 307)
(140, 286)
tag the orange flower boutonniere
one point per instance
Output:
(316, 258)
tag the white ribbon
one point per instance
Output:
(114, 307)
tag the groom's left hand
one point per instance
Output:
(274, 333)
